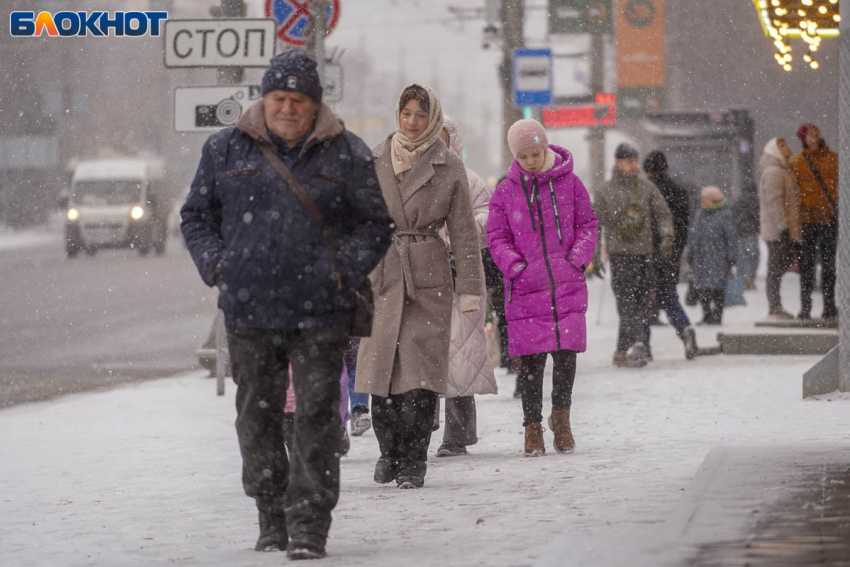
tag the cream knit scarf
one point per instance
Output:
(406, 152)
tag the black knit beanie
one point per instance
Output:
(294, 71)
(625, 151)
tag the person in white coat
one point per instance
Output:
(470, 369)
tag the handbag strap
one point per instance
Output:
(296, 187)
(822, 184)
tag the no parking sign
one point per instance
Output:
(292, 17)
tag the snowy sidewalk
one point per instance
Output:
(150, 474)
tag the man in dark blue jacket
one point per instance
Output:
(286, 293)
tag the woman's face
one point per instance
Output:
(531, 159)
(413, 120)
(784, 149)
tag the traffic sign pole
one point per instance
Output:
(231, 75)
(316, 42)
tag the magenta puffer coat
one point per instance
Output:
(542, 232)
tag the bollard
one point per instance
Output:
(221, 353)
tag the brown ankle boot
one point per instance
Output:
(559, 422)
(534, 446)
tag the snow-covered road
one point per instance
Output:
(149, 474)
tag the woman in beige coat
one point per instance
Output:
(779, 218)
(404, 364)
(470, 369)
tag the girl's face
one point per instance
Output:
(531, 159)
(413, 120)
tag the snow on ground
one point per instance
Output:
(49, 233)
(149, 474)
(16, 240)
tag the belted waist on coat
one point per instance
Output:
(401, 239)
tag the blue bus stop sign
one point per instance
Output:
(532, 77)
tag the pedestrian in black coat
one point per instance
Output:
(667, 271)
(287, 294)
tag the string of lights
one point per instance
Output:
(809, 20)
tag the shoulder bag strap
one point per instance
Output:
(296, 187)
(822, 184)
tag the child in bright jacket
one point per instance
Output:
(542, 232)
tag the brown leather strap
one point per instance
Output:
(293, 183)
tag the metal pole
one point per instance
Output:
(316, 41)
(843, 260)
(513, 12)
(231, 75)
(596, 136)
(225, 76)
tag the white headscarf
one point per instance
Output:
(404, 151)
(772, 149)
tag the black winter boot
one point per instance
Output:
(306, 546)
(689, 337)
(385, 471)
(412, 475)
(273, 535)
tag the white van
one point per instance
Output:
(117, 203)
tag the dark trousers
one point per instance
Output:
(305, 486)
(403, 424)
(631, 281)
(712, 301)
(460, 427)
(779, 257)
(824, 239)
(531, 383)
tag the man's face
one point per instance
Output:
(289, 115)
(629, 166)
(813, 137)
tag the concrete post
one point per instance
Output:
(843, 261)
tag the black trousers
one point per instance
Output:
(531, 383)
(305, 486)
(403, 424)
(824, 239)
(712, 301)
(632, 282)
(779, 257)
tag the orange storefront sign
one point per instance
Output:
(639, 32)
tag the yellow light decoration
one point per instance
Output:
(784, 19)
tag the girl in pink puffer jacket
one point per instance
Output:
(542, 232)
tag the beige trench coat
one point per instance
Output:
(409, 346)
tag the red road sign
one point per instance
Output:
(292, 17)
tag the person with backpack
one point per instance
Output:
(631, 210)
(542, 233)
(816, 171)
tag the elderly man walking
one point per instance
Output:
(285, 216)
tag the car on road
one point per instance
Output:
(117, 203)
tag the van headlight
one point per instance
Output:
(137, 212)
(73, 214)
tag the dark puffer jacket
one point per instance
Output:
(276, 268)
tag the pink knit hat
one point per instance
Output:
(526, 133)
